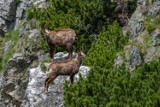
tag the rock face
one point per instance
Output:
(134, 58)
(16, 74)
(156, 38)
(23, 80)
(14, 81)
(155, 9)
(144, 44)
(12, 13)
(136, 23)
(23, 76)
(22, 83)
(35, 90)
(7, 15)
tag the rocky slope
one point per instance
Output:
(7, 15)
(22, 81)
(144, 35)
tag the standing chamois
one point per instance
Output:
(67, 67)
(63, 37)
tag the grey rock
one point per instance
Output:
(40, 3)
(9, 86)
(2, 23)
(158, 52)
(136, 23)
(134, 58)
(144, 2)
(153, 54)
(21, 11)
(141, 2)
(156, 38)
(149, 54)
(14, 81)
(34, 34)
(35, 90)
(118, 60)
(43, 56)
(7, 14)
(1, 75)
(6, 46)
(60, 56)
(22, 7)
(17, 55)
(7, 9)
(155, 9)
(24, 29)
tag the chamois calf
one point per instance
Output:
(63, 37)
(68, 67)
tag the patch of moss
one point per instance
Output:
(152, 23)
(127, 52)
(43, 66)
(20, 23)
(17, 2)
(34, 23)
(150, 27)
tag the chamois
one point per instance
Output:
(63, 37)
(68, 67)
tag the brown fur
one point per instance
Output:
(69, 67)
(63, 37)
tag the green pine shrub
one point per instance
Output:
(132, 5)
(109, 86)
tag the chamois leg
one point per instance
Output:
(72, 78)
(51, 52)
(47, 82)
(70, 49)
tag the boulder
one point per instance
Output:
(133, 57)
(156, 38)
(7, 15)
(155, 9)
(136, 23)
(35, 94)
(14, 82)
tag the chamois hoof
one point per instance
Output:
(46, 92)
(52, 60)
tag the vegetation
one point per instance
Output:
(132, 6)
(17, 2)
(11, 38)
(152, 23)
(87, 17)
(108, 86)
(43, 66)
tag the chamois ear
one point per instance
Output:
(82, 54)
(46, 30)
